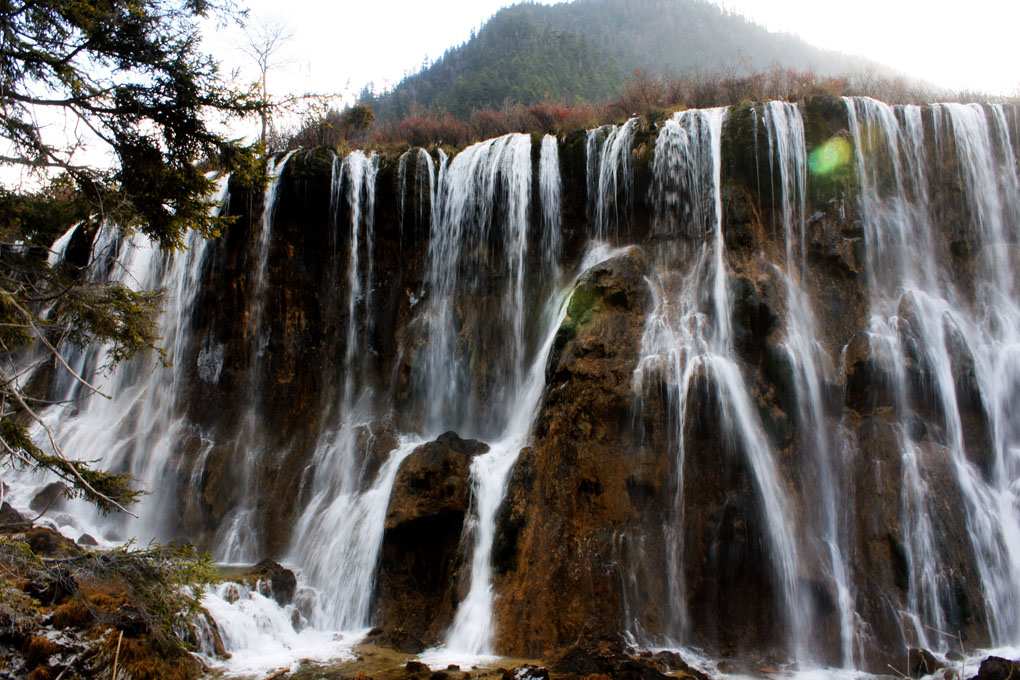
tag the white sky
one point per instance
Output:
(339, 46)
(961, 44)
(971, 44)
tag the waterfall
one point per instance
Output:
(454, 331)
(811, 364)
(470, 636)
(140, 428)
(610, 180)
(480, 231)
(688, 335)
(550, 198)
(338, 534)
(236, 541)
(922, 319)
(483, 224)
(422, 191)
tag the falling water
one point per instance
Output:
(422, 191)
(139, 429)
(260, 282)
(471, 216)
(688, 334)
(610, 179)
(480, 231)
(917, 308)
(550, 203)
(472, 630)
(360, 172)
(810, 362)
(236, 541)
(485, 314)
(339, 533)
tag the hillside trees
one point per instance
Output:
(513, 59)
(106, 106)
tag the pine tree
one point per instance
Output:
(104, 79)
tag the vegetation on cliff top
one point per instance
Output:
(652, 97)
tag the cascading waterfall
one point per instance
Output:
(917, 311)
(472, 631)
(475, 232)
(482, 198)
(338, 535)
(470, 215)
(422, 190)
(236, 541)
(360, 171)
(688, 335)
(486, 298)
(144, 444)
(550, 198)
(610, 182)
(812, 367)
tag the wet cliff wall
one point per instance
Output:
(772, 417)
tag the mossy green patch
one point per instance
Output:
(582, 308)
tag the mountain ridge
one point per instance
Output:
(585, 50)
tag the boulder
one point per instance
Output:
(433, 482)
(11, 520)
(997, 668)
(417, 667)
(87, 541)
(921, 662)
(422, 552)
(282, 582)
(51, 497)
(608, 657)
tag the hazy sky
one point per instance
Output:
(958, 44)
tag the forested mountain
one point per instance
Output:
(587, 48)
(679, 35)
(516, 56)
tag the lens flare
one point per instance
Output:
(829, 156)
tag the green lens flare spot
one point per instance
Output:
(830, 156)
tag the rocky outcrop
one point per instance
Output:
(422, 558)
(11, 519)
(274, 580)
(51, 497)
(608, 657)
(578, 489)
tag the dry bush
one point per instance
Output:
(653, 97)
(423, 131)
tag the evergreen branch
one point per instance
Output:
(31, 321)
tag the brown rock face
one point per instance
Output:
(557, 568)
(422, 556)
